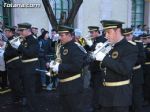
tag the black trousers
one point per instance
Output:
(95, 84)
(147, 82)
(137, 98)
(3, 83)
(29, 82)
(72, 102)
(114, 109)
(15, 82)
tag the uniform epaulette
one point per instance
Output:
(138, 41)
(81, 47)
(77, 43)
(34, 36)
(131, 42)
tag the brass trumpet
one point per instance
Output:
(15, 39)
(105, 48)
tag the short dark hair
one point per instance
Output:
(53, 30)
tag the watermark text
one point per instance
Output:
(22, 5)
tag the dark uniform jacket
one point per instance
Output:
(29, 48)
(146, 67)
(11, 53)
(147, 52)
(118, 66)
(72, 63)
(138, 73)
(45, 49)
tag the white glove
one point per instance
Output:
(98, 45)
(51, 64)
(54, 66)
(15, 44)
(100, 56)
(89, 42)
(56, 37)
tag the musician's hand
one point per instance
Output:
(55, 67)
(47, 65)
(51, 64)
(98, 45)
(15, 44)
(100, 56)
(89, 42)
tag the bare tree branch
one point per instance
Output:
(50, 13)
(70, 19)
(73, 12)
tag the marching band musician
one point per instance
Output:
(94, 66)
(28, 49)
(137, 78)
(116, 65)
(69, 71)
(146, 68)
(13, 62)
(79, 38)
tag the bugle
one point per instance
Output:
(105, 48)
(15, 39)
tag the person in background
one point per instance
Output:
(44, 54)
(55, 43)
(1, 26)
(3, 73)
(42, 30)
(137, 77)
(86, 73)
(94, 65)
(138, 31)
(78, 37)
(54, 39)
(16, 30)
(35, 31)
(146, 69)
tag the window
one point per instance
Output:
(137, 12)
(5, 13)
(61, 9)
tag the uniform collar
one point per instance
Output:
(68, 43)
(121, 42)
(28, 37)
(96, 38)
